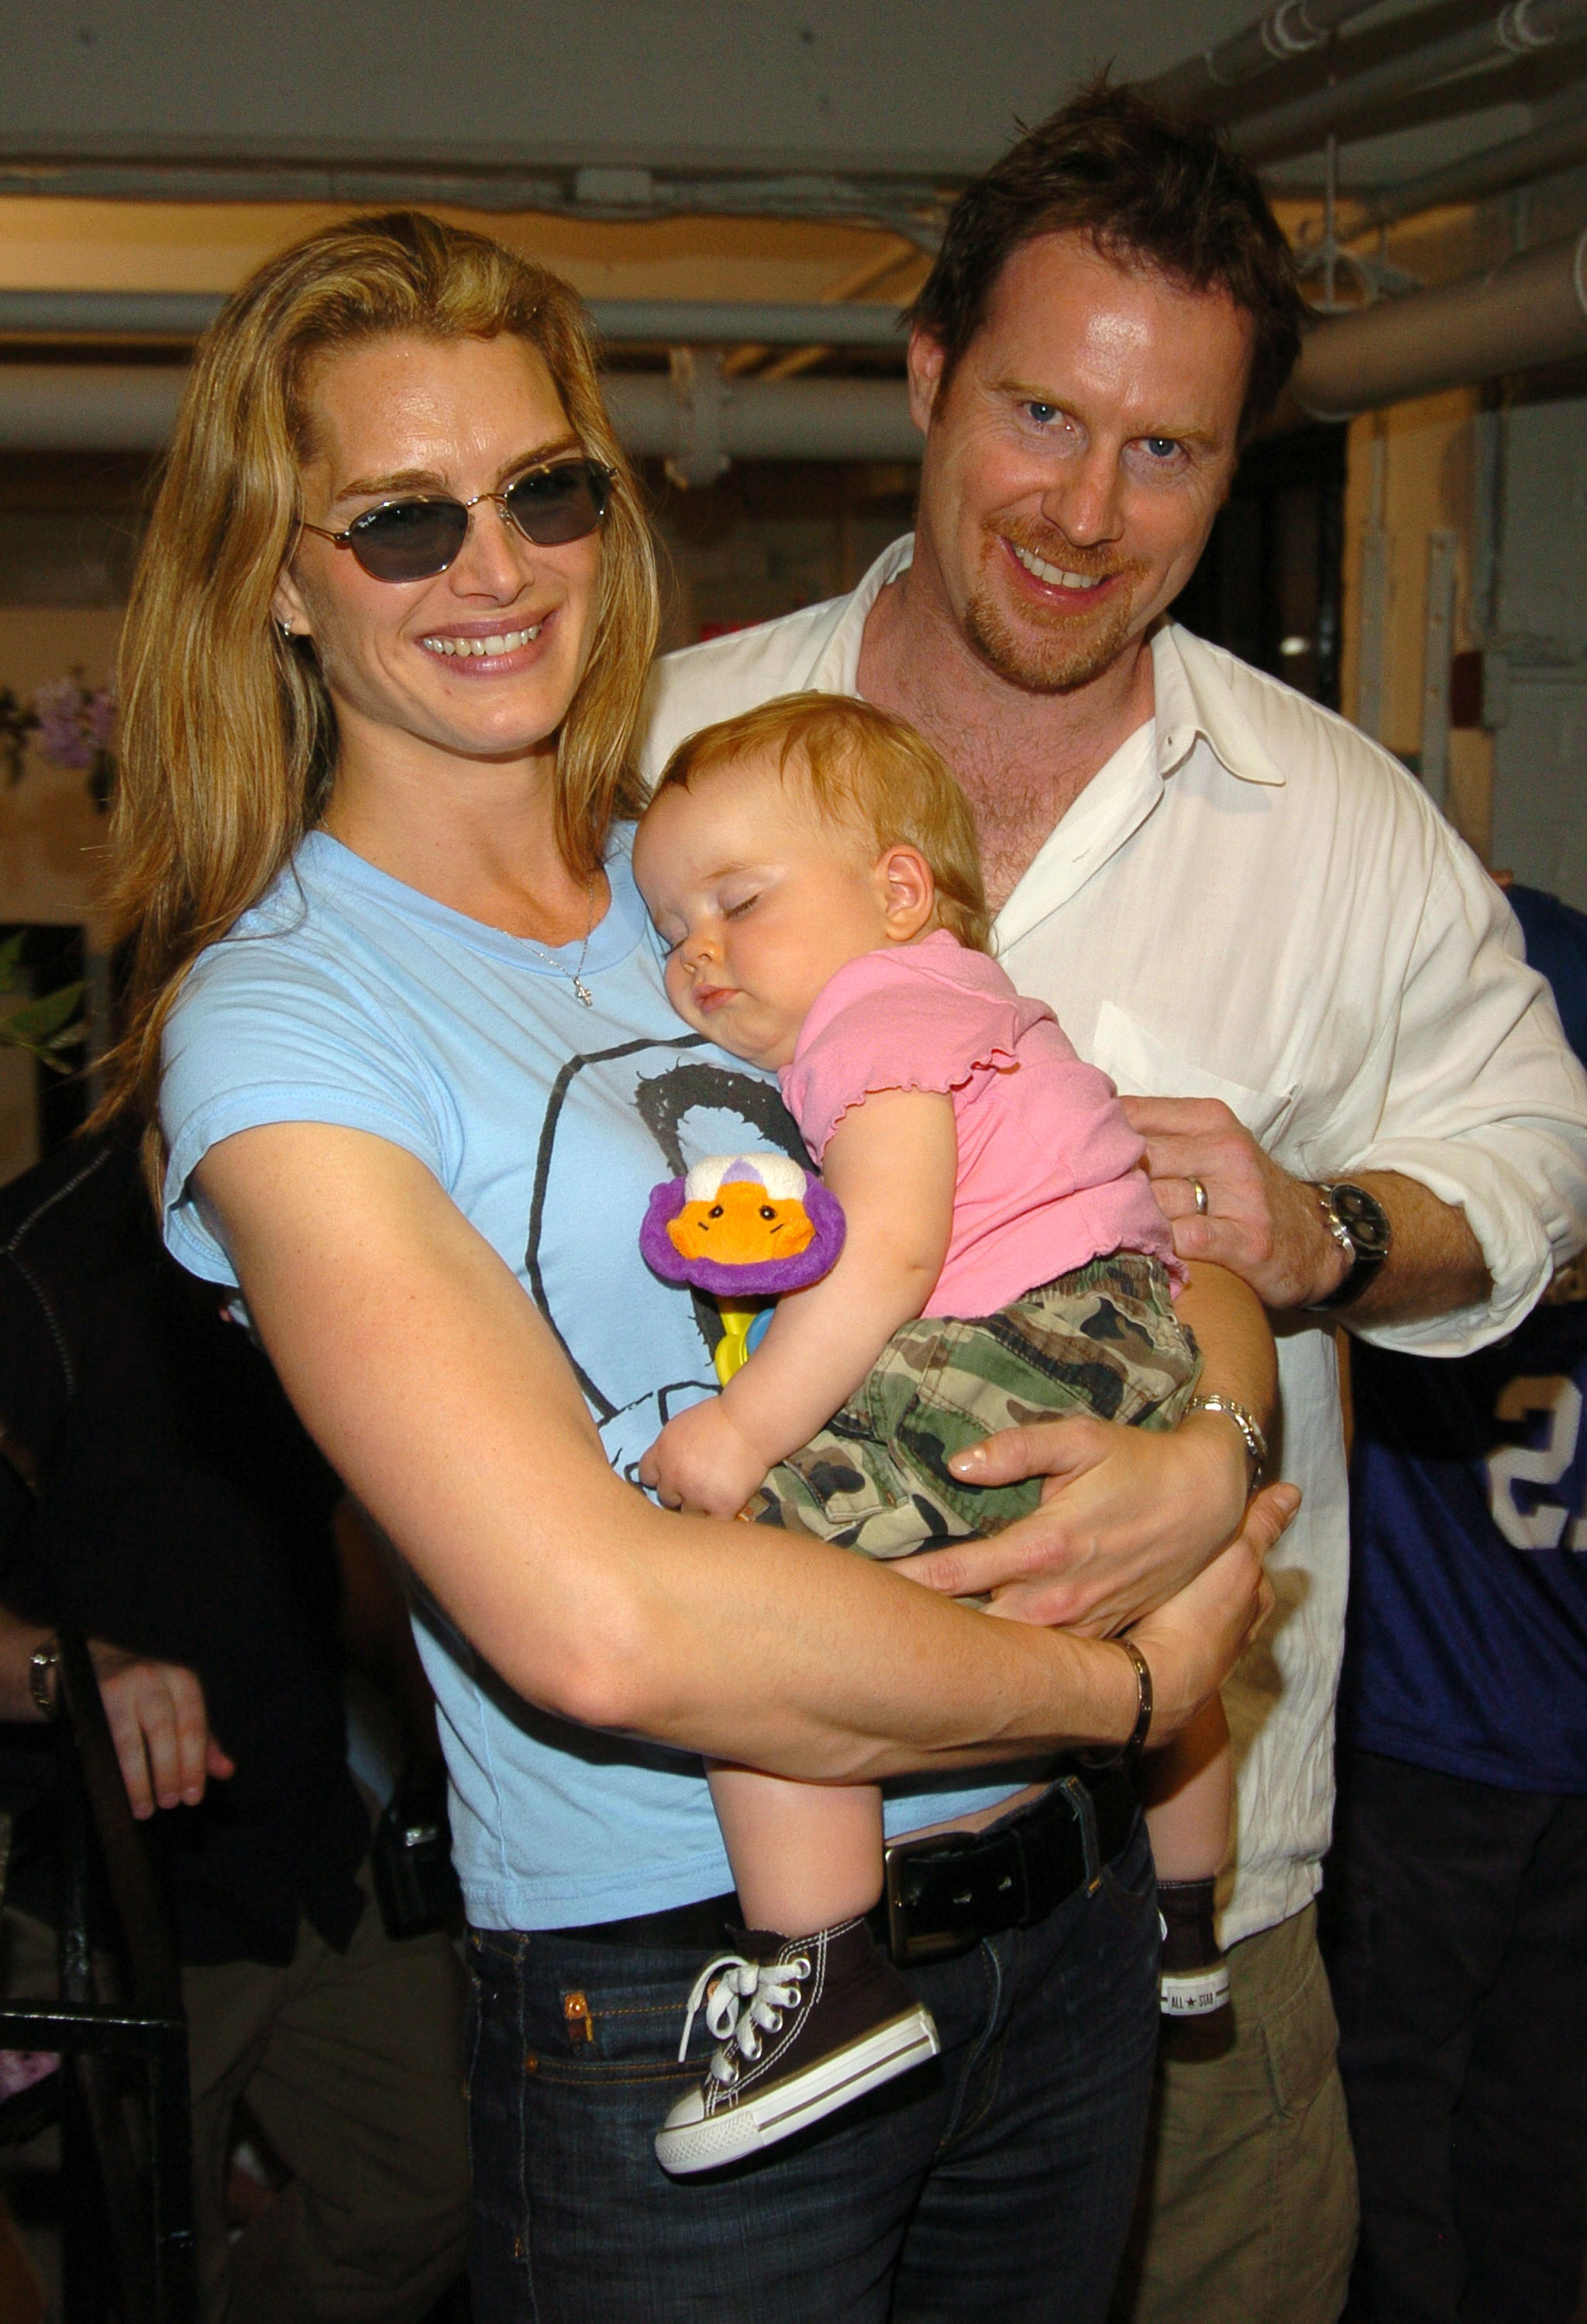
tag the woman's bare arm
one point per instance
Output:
(435, 1389)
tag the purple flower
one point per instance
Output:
(99, 716)
(74, 725)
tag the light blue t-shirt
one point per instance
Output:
(344, 997)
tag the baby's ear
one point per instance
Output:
(908, 892)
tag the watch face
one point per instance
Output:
(1364, 1219)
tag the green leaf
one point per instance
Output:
(37, 1020)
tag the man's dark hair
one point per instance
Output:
(1149, 191)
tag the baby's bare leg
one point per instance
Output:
(804, 1856)
(1190, 1796)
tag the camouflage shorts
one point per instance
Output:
(1104, 1340)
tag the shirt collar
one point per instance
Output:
(1195, 702)
(1110, 810)
(837, 670)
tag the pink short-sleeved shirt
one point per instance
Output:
(1049, 1173)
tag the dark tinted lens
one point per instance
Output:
(561, 503)
(408, 540)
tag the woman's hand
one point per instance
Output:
(701, 1461)
(161, 1728)
(1128, 1517)
(1193, 1642)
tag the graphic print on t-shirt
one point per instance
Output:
(666, 1110)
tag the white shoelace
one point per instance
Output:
(747, 2001)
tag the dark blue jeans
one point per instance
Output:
(991, 2187)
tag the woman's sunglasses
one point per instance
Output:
(412, 540)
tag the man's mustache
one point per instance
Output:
(1053, 549)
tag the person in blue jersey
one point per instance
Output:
(1456, 1888)
(399, 1007)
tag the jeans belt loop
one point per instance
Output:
(1084, 1810)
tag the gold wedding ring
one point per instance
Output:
(1198, 1195)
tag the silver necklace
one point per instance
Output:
(575, 976)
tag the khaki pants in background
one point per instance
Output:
(352, 2065)
(1247, 2212)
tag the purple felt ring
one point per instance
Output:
(757, 1279)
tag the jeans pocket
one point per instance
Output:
(1129, 1882)
(594, 2017)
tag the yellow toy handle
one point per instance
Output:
(732, 1349)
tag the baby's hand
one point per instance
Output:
(700, 1461)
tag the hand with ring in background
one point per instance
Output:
(1229, 1202)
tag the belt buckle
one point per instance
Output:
(909, 1944)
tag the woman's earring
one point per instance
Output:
(287, 632)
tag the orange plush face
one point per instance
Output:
(740, 1226)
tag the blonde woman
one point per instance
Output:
(397, 1003)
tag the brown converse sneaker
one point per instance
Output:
(1194, 1981)
(804, 2024)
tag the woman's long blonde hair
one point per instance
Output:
(227, 736)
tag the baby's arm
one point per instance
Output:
(891, 1163)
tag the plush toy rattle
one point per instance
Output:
(744, 1227)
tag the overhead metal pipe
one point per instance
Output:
(1294, 28)
(786, 420)
(665, 322)
(1518, 29)
(1516, 163)
(723, 322)
(911, 206)
(132, 408)
(88, 407)
(108, 314)
(1529, 309)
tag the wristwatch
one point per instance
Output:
(1360, 1225)
(44, 1677)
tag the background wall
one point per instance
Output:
(1540, 763)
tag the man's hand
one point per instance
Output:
(1259, 1222)
(701, 1461)
(1129, 1515)
(1193, 1642)
(161, 1729)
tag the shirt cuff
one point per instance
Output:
(1525, 1232)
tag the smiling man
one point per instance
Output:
(1353, 1092)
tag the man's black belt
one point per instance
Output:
(944, 1894)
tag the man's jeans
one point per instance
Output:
(993, 2186)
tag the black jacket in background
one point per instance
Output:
(182, 1512)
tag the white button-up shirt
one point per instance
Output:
(1251, 902)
